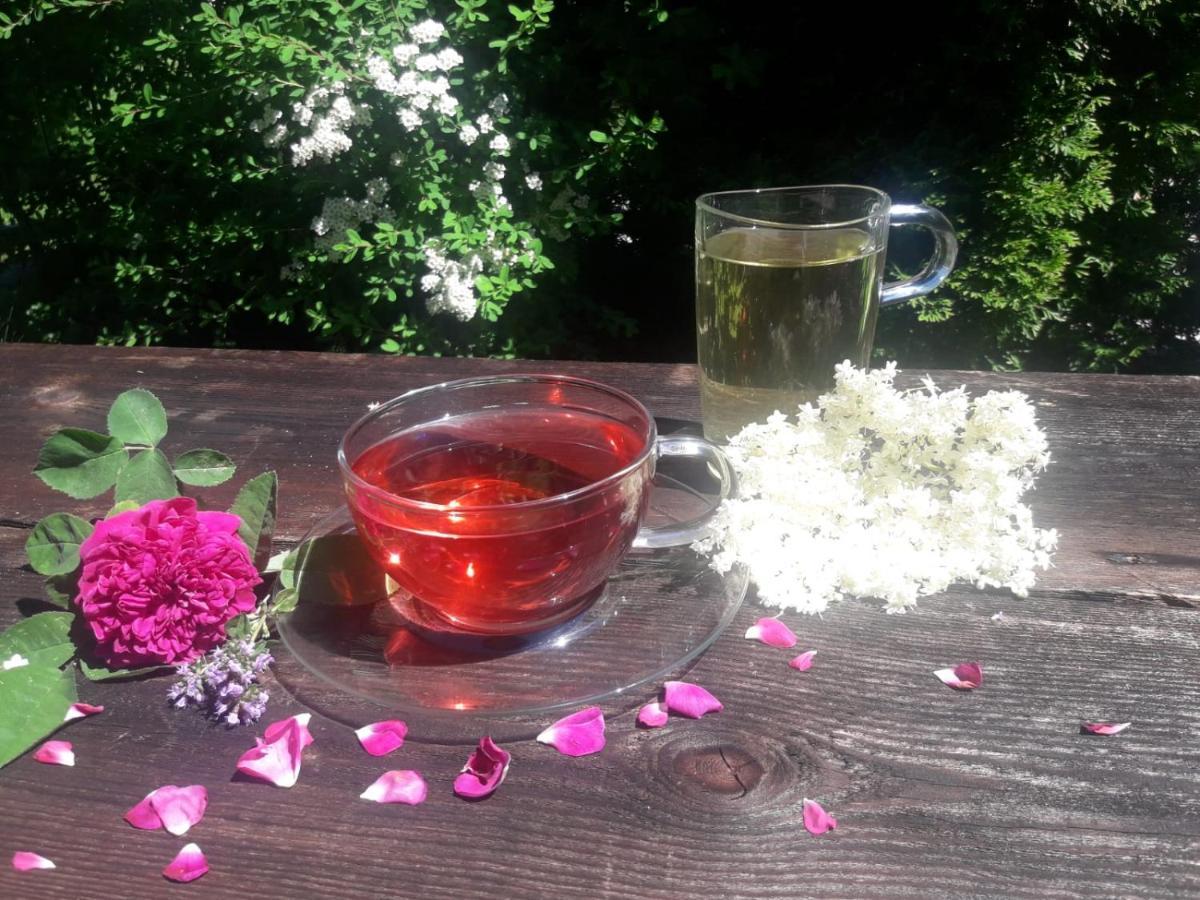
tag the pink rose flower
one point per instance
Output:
(160, 582)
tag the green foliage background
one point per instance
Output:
(1062, 137)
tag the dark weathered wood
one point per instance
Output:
(938, 794)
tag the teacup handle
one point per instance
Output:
(945, 251)
(679, 534)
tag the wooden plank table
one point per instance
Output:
(938, 794)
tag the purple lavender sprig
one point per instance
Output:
(224, 682)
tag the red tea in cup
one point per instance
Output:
(502, 504)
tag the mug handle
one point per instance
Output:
(680, 534)
(944, 253)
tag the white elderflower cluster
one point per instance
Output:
(875, 492)
(327, 112)
(338, 214)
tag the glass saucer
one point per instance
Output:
(358, 650)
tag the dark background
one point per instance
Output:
(1061, 138)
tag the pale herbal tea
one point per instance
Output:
(776, 310)
(471, 548)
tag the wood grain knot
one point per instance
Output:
(724, 769)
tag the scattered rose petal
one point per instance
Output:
(24, 861)
(277, 759)
(998, 617)
(689, 700)
(653, 715)
(381, 738)
(485, 770)
(578, 734)
(397, 787)
(188, 865)
(963, 677)
(275, 729)
(15, 661)
(55, 753)
(816, 820)
(803, 662)
(1104, 727)
(771, 632)
(142, 814)
(179, 808)
(80, 710)
(171, 807)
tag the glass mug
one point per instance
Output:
(788, 285)
(502, 504)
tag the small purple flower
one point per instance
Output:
(224, 683)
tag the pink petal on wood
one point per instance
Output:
(578, 734)
(142, 814)
(403, 786)
(24, 861)
(485, 769)
(652, 715)
(80, 710)
(277, 761)
(803, 662)
(188, 865)
(689, 700)
(179, 808)
(771, 632)
(55, 753)
(275, 729)
(381, 738)
(816, 820)
(963, 677)
(1104, 727)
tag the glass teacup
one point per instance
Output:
(501, 504)
(789, 282)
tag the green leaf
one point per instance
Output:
(123, 506)
(53, 547)
(81, 463)
(598, 136)
(43, 639)
(34, 699)
(147, 477)
(284, 602)
(204, 468)
(100, 673)
(238, 627)
(137, 417)
(255, 503)
(285, 564)
(61, 589)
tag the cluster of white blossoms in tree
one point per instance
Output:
(874, 492)
(449, 285)
(327, 112)
(414, 79)
(339, 214)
